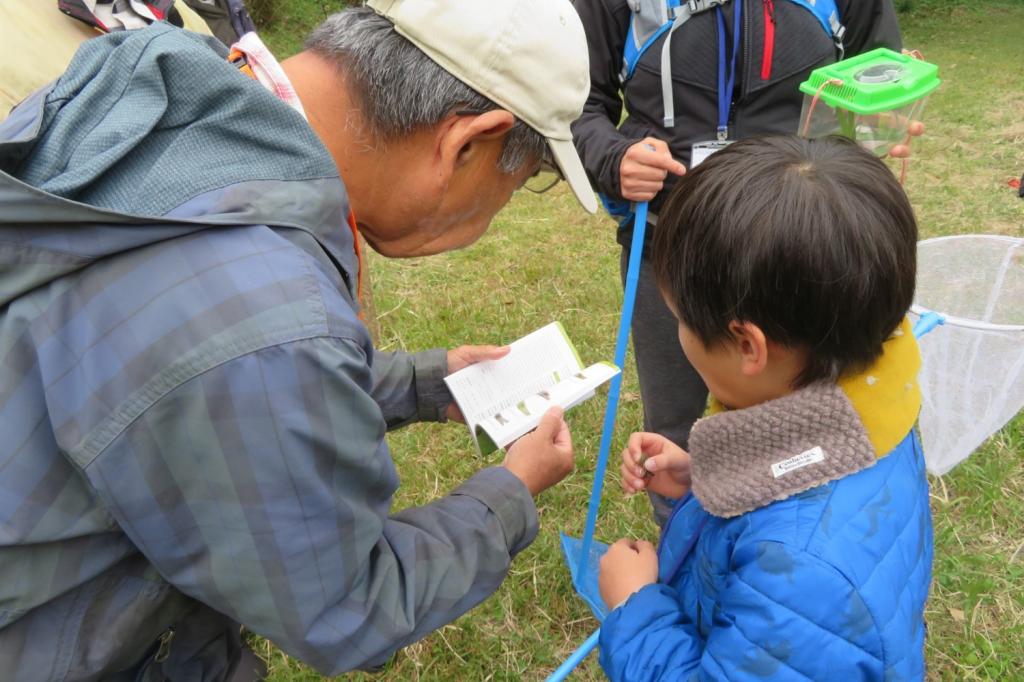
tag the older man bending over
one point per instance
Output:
(193, 414)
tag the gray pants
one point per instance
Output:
(673, 394)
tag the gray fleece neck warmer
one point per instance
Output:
(745, 459)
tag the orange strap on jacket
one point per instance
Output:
(237, 59)
(359, 258)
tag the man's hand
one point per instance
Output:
(542, 457)
(464, 356)
(627, 566)
(644, 167)
(653, 462)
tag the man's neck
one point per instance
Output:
(338, 122)
(369, 169)
(325, 96)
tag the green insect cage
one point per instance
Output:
(875, 98)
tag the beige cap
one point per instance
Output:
(527, 56)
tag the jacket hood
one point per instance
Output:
(150, 135)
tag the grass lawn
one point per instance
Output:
(544, 259)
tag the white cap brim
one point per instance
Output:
(569, 163)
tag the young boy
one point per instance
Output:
(801, 545)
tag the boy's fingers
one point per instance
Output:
(640, 442)
(631, 484)
(657, 463)
(674, 459)
(652, 443)
(632, 456)
(626, 477)
(620, 545)
(634, 446)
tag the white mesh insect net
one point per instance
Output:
(972, 375)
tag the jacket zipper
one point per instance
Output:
(769, 39)
(744, 79)
(743, 74)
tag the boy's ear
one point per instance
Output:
(752, 346)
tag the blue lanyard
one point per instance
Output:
(726, 84)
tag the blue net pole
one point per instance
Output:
(636, 250)
(575, 658)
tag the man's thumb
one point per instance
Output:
(481, 353)
(551, 423)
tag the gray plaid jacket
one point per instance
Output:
(192, 415)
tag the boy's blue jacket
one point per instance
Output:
(826, 583)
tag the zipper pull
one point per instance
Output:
(164, 650)
(769, 10)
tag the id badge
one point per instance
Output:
(702, 150)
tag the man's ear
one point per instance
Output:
(463, 139)
(752, 346)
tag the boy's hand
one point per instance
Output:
(644, 167)
(542, 457)
(653, 462)
(627, 566)
(464, 356)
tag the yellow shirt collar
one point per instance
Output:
(886, 396)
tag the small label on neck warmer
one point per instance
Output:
(812, 456)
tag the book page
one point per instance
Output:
(537, 361)
(509, 424)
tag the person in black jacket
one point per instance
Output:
(778, 44)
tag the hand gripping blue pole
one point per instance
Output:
(576, 658)
(636, 250)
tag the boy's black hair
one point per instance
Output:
(813, 241)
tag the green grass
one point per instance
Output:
(543, 259)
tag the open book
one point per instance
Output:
(504, 399)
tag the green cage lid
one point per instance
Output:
(873, 82)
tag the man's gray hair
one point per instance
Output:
(402, 89)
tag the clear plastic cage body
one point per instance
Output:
(873, 98)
